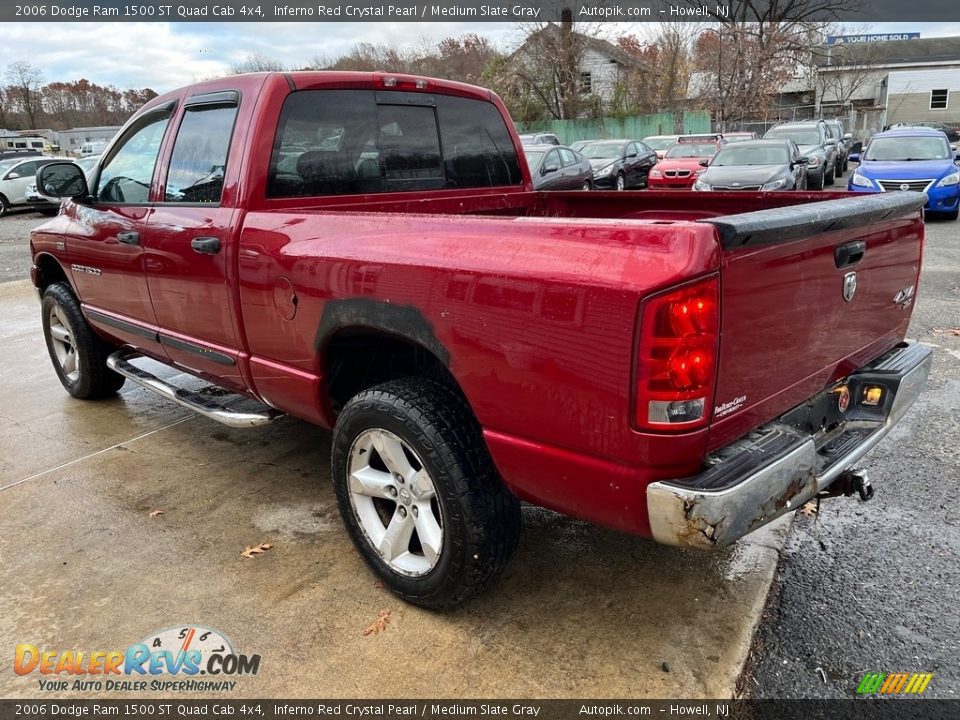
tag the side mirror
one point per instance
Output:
(848, 136)
(704, 163)
(62, 180)
(547, 169)
(802, 160)
(854, 157)
(631, 155)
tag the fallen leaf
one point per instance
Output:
(955, 331)
(254, 550)
(378, 625)
(154, 513)
(809, 509)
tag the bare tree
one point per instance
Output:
(668, 55)
(842, 71)
(24, 90)
(747, 57)
(257, 62)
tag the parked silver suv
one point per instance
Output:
(844, 140)
(816, 143)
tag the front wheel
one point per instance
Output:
(419, 494)
(4, 206)
(830, 178)
(78, 354)
(621, 182)
(816, 182)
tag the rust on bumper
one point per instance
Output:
(690, 513)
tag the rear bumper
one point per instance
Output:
(782, 465)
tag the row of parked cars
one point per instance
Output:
(791, 156)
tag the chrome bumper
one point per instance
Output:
(779, 467)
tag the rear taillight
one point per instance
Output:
(677, 357)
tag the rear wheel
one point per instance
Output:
(587, 186)
(78, 354)
(4, 206)
(419, 495)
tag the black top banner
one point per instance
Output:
(481, 11)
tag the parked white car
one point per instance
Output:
(49, 206)
(16, 174)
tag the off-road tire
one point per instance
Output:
(480, 517)
(95, 379)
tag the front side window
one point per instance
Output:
(338, 142)
(126, 176)
(568, 157)
(552, 161)
(199, 158)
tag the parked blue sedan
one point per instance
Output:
(912, 158)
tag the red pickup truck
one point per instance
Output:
(364, 251)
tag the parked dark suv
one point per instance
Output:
(816, 144)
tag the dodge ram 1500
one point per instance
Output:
(364, 251)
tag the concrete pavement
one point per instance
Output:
(582, 612)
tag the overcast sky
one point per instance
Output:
(164, 56)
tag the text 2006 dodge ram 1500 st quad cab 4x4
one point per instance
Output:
(364, 251)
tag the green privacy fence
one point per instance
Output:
(633, 127)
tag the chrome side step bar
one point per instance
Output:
(120, 363)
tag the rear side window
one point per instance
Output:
(199, 157)
(336, 142)
(477, 148)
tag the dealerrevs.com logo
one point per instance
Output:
(185, 658)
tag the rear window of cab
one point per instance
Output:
(339, 142)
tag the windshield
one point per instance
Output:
(602, 151)
(659, 143)
(533, 156)
(908, 148)
(801, 136)
(752, 156)
(691, 150)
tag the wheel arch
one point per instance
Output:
(49, 271)
(364, 342)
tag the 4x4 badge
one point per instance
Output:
(849, 286)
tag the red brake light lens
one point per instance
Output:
(676, 363)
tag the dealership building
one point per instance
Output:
(876, 82)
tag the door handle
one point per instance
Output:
(849, 253)
(129, 237)
(206, 245)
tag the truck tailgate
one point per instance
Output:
(809, 294)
